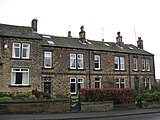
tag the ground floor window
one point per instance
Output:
(76, 84)
(120, 83)
(146, 83)
(20, 76)
(97, 82)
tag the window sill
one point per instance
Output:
(97, 69)
(120, 70)
(20, 59)
(19, 85)
(76, 69)
(47, 68)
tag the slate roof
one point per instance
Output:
(17, 31)
(68, 42)
(91, 44)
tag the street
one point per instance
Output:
(147, 116)
(152, 116)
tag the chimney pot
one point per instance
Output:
(82, 33)
(69, 34)
(140, 43)
(34, 25)
(119, 39)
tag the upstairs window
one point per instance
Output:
(145, 65)
(21, 50)
(20, 76)
(76, 61)
(97, 62)
(119, 63)
(47, 59)
(135, 64)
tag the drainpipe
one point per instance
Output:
(129, 72)
(89, 68)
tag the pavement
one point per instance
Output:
(79, 115)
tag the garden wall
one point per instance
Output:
(97, 106)
(35, 106)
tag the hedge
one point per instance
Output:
(119, 96)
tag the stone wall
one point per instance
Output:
(97, 106)
(40, 106)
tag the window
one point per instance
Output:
(76, 61)
(97, 62)
(135, 64)
(145, 65)
(80, 61)
(120, 83)
(16, 50)
(146, 83)
(20, 76)
(21, 50)
(47, 59)
(25, 50)
(76, 84)
(97, 83)
(119, 63)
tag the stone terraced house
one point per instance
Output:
(62, 65)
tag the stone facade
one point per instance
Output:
(59, 77)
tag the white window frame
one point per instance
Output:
(73, 82)
(73, 60)
(21, 47)
(25, 81)
(119, 82)
(135, 64)
(48, 56)
(13, 50)
(27, 50)
(120, 62)
(76, 81)
(76, 61)
(97, 61)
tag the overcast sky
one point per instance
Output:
(133, 18)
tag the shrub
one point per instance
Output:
(148, 96)
(119, 96)
(5, 98)
(4, 94)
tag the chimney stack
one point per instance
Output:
(82, 33)
(140, 43)
(34, 25)
(119, 39)
(69, 34)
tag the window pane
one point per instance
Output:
(80, 61)
(16, 50)
(143, 64)
(18, 78)
(116, 62)
(47, 59)
(97, 61)
(122, 66)
(72, 61)
(135, 64)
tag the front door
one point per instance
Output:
(47, 87)
(136, 85)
